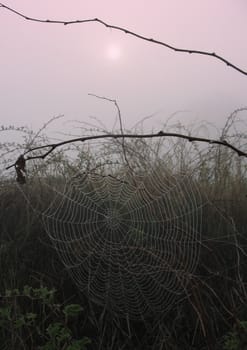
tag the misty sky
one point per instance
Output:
(47, 70)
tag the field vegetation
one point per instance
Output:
(40, 305)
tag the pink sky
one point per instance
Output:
(48, 70)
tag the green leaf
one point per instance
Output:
(8, 293)
(20, 322)
(47, 295)
(27, 291)
(79, 344)
(54, 329)
(5, 313)
(31, 316)
(15, 291)
(72, 310)
(58, 332)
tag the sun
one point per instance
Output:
(113, 52)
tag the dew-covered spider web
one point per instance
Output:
(130, 242)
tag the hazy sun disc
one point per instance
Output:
(113, 52)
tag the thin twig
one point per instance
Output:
(120, 124)
(51, 147)
(127, 31)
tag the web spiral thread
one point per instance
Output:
(130, 243)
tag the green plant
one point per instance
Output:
(30, 318)
(234, 340)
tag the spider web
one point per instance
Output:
(130, 243)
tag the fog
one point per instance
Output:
(49, 69)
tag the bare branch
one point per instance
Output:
(127, 31)
(51, 147)
(120, 123)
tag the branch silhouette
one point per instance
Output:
(127, 31)
(52, 146)
(120, 122)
